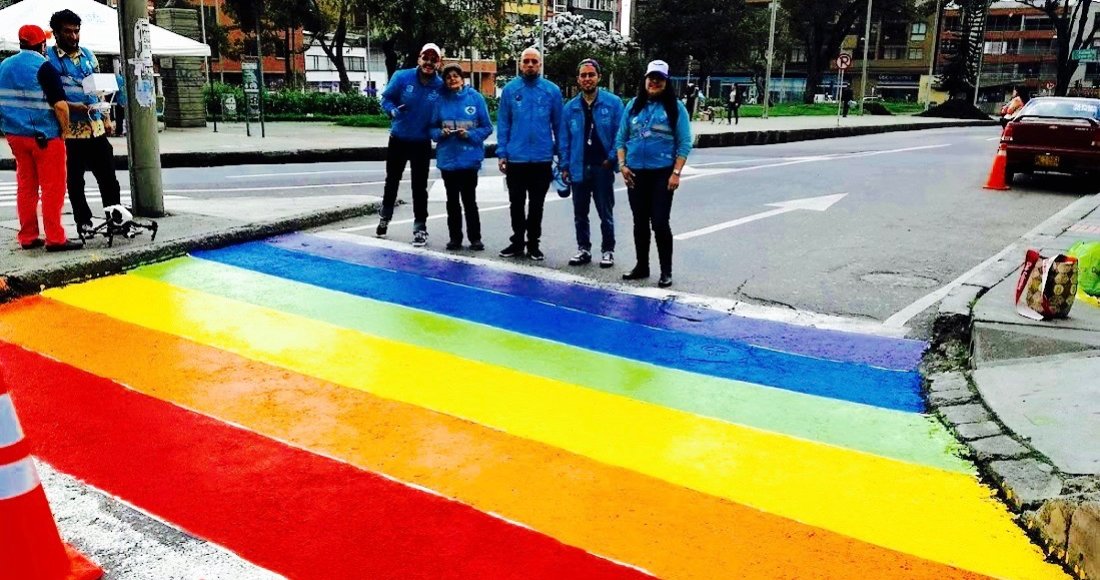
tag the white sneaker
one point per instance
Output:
(608, 260)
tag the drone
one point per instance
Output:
(119, 222)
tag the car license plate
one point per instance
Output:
(1047, 161)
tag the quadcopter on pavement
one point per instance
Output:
(119, 222)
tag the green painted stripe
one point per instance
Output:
(899, 435)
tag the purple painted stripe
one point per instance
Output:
(876, 351)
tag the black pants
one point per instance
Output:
(651, 204)
(417, 154)
(733, 111)
(461, 188)
(527, 184)
(98, 155)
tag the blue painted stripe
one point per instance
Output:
(716, 357)
(875, 351)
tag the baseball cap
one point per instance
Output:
(453, 66)
(657, 67)
(32, 34)
(433, 47)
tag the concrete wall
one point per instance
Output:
(183, 77)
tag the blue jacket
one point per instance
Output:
(462, 109)
(648, 138)
(412, 122)
(528, 120)
(23, 107)
(607, 111)
(72, 80)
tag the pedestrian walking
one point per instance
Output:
(527, 142)
(409, 100)
(32, 112)
(733, 106)
(653, 143)
(846, 97)
(587, 153)
(86, 144)
(460, 125)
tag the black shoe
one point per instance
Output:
(664, 281)
(85, 230)
(535, 254)
(37, 243)
(637, 273)
(477, 246)
(68, 245)
(452, 246)
(382, 229)
(420, 238)
(583, 257)
(511, 251)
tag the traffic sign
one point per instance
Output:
(249, 73)
(1086, 55)
(844, 61)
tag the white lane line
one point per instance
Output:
(482, 210)
(906, 314)
(724, 305)
(279, 187)
(251, 175)
(821, 203)
(753, 160)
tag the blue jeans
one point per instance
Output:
(597, 184)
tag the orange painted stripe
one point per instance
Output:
(670, 531)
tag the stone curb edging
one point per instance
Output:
(744, 138)
(34, 280)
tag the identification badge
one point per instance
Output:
(646, 134)
(590, 142)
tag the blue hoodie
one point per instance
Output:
(607, 111)
(528, 121)
(461, 109)
(648, 137)
(410, 123)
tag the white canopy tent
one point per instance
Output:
(98, 28)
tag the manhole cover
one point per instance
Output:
(902, 280)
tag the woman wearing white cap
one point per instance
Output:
(653, 143)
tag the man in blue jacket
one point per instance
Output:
(409, 99)
(527, 141)
(587, 154)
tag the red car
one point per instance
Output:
(1060, 134)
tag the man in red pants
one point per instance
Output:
(32, 112)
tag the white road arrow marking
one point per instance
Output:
(809, 203)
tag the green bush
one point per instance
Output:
(365, 121)
(292, 104)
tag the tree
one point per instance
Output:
(964, 50)
(713, 33)
(329, 25)
(406, 25)
(758, 27)
(570, 38)
(823, 25)
(1075, 32)
(273, 18)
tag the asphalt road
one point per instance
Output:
(908, 216)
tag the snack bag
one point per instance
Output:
(1047, 286)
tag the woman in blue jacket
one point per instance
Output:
(653, 143)
(460, 124)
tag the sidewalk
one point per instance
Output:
(1028, 406)
(314, 142)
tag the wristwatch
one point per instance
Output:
(676, 172)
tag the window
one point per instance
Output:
(560, 6)
(355, 63)
(916, 54)
(918, 32)
(998, 47)
(893, 52)
(314, 62)
(798, 54)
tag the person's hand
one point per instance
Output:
(108, 126)
(446, 132)
(502, 164)
(462, 132)
(565, 177)
(673, 182)
(78, 108)
(628, 177)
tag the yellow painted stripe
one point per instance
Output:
(930, 513)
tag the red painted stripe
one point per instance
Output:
(283, 508)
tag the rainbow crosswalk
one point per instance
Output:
(329, 409)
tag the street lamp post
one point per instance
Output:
(935, 46)
(768, 57)
(866, 44)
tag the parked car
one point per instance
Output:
(1056, 134)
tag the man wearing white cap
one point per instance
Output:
(409, 100)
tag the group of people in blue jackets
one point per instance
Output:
(592, 137)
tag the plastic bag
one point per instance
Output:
(1047, 286)
(1088, 260)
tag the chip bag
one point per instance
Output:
(1047, 286)
(1088, 260)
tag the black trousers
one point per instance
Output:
(733, 111)
(527, 185)
(461, 188)
(651, 204)
(418, 155)
(98, 155)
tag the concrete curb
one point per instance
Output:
(1059, 511)
(377, 153)
(33, 280)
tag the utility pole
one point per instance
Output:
(866, 45)
(768, 57)
(146, 189)
(542, 29)
(935, 48)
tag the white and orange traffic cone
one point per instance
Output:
(997, 174)
(30, 546)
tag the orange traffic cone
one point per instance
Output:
(30, 546)
(997, 174)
